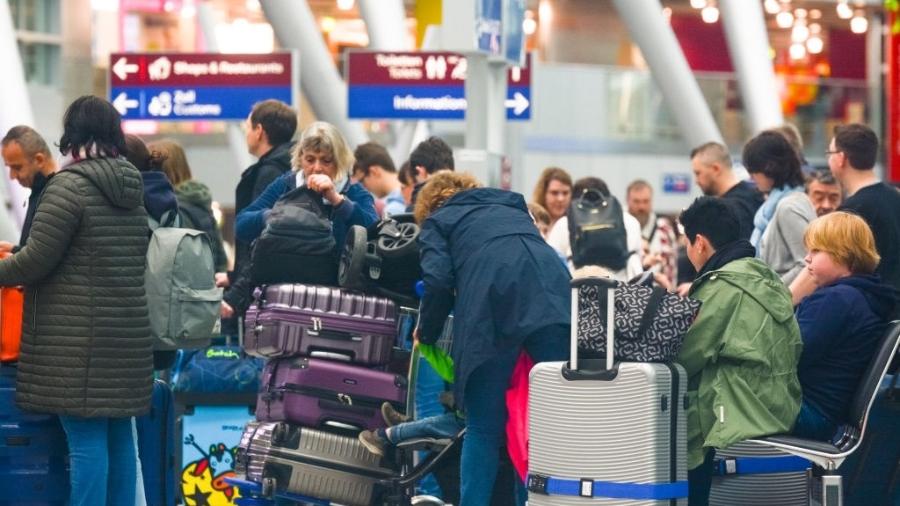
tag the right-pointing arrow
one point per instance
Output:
(122, 103)
(518, 103)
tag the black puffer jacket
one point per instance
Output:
(86, 345)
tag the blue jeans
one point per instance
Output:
(102, 460)
(812, 424)
(441, 426)
(486, 415)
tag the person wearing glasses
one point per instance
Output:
(851, 157)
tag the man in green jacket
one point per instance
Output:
(741, 352)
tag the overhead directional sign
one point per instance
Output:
(422, 85)
(198, 86)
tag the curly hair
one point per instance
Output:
(438, 190)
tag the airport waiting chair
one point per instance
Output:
(828, 456)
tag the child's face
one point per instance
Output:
(543, 228)
(823, 268)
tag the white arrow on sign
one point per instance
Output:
(518, 103)
(122, 68)
(122, 103)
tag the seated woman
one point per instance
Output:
(841, 322)
(483, 258)
(321, 161)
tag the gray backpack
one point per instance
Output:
(183, 300)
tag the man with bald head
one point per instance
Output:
(30, 163)
(713, 173)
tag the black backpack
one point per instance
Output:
(297, 245)
(597, 231)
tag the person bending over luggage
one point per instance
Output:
(841, 323)
(741, 352)
(322, 161)
(86, 347)
(483, 258)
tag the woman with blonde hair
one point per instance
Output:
(841, 322)
(194, 197)
(321, 161)
(483, 258)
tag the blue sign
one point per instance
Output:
(513, 32)
(198, 86)
(422, 85)
(201, 103)
(489, 26)
(677, 183)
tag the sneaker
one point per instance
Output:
(391, 416)
(372, 442)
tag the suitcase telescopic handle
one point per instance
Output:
(610, 286)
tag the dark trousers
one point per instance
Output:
(700, 480)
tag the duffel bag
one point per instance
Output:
(217, 369)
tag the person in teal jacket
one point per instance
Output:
(742, 351)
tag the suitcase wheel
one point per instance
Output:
(268, 487)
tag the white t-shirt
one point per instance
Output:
(558, 238)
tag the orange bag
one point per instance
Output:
(12, 300)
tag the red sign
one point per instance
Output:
(418, 69)
(199, 69)
(892, 95)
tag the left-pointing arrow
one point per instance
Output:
(122, 68)
(122, 103)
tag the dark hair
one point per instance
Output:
(405, 174)
(28, 139)
(771, 155)
(822, 176)
(712, 217)
(859, 143)
(434, 154)
(278, 120)
(142, 158)
(589, 183)
(92, 127)
(369, 154)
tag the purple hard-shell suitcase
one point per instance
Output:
(315, 393)
(319, 321)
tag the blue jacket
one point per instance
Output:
(840, 324)
(483, 258)
(357, 209)
(159, 196)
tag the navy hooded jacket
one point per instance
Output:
(841, 325)
(159, 196)
(483, 257)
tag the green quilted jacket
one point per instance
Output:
(86, 345)
(741, 358)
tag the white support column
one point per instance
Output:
(296, 28)
(237, 142)
(660, 48)
(386, 23)
(748, 45)
(15, 109)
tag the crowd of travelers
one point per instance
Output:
(796, 269)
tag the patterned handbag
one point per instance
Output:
(650, 322)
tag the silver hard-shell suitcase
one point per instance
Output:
(787, 488)
(605, 433)
(312, 463)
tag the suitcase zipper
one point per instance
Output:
(345, 399)
(336, 322)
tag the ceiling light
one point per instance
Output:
(843, 10)
(772, 6)
(529, 26)
(815, 14)
(784, 19)
(800, 32)
(710, 14)
(815, 28)
(859, 23)
(815, 44)
(797, 51)
(327, 24)
(345, 5)
(698, 4)
(800, 13)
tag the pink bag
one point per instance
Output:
(517, 407)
